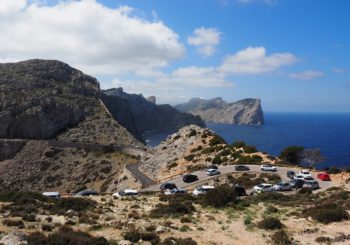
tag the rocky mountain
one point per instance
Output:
(247, 111)
(139, 114)
(44, 99)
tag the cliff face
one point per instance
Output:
(247, 111)
(139, 115)
(39, 98)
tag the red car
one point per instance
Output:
(324, 177)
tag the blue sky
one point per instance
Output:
(293, 54)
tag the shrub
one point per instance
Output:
(216, 160)
(29, 218)
(185, 219)
(323, 239)
(75, 204)
(220, 196)
(172, 165)
(216, 140)
(65, 235)
(46, 227)
(326, 213)
(225, 152)
(108, 149)
(172, 208)
(190, 157)
(192, 133)
(256, 158)
(17, 223)
(184, 228)
(135, 236)
(270, 223)
(292, 154)
(238, 144)
(21, 196)
(281, 238)
(178, 241)
(192, 168)
(208, 150)
(333, 170)
(249, 149)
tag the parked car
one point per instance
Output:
(202, 189)
(268, 167)
(53, 194)
(241, 168)
(296, 183)
(290, 174)
(263, 188)
(212, 167)
(308, 178)
(125, 193)
(212, 172)
(175, 191)
(189, 178)
(324, 176)
(87, 192)
(239, 190)
(167, 186)
(282, 186)
(311, 185)
(298, 176)
(305, 173)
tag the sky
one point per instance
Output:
(292, 54)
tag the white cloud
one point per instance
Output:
(306, 75)
(337, 70)
(253, 60)
(205, 39)
(87, 35)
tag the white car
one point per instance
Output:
(268, 167)
(282, 186)
(213, 171)
(313, 185)
(125, 193)
(305, 173)
(263, 188)
(202, 189)
(298, 176)
(175, 191)
(53, 194)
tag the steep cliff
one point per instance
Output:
(139, 115)
(247, 111)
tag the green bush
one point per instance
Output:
(333, 170)
(135, 236)
(219, 197)
(173, 208)
(326, 213)
(270, 223)
(281, 238)
(208, 150)
(225, 152)
(216, 140)
(216, 160)
(178, 241)
(16, 223)
(292, 154)
(192, 133)
(65, 235)
(249, 149)
(190, 157)
(238, 144)
(185, 219)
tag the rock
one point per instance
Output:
(140, 115)
(173, 226)
(247, 111)
(160, 229)
(124, 242)
(13, 238)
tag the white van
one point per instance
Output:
(125, 193)
(202, 189)
(53, 194)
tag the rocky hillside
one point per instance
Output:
(193, 148)
(247, 111)
(139, 114)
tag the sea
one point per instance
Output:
(329, 132)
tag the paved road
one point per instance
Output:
(144, 179)
(203, 177)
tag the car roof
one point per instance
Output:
(130, 191)
(207, 187)
(51, 193)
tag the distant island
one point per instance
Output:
(217, 110)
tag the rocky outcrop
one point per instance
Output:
(247, 111)
(139, 115)
(9, 148)
(39, 98)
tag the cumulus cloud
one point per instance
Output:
(205, 39)
(306, 75)
(87, 35)
(254, 60)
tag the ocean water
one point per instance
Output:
(330, 132)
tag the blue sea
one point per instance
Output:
(330, 132)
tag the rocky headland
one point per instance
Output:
(247, 111)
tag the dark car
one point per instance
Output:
(240, 191)
(241, 168)
(296, 183)
(87, 193)
(290, 174)
(189, 178)
(167, 186)
(212, 167)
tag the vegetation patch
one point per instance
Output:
(326, 213)
(270, 223)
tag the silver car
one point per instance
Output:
(282, 186)
(313, 185)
